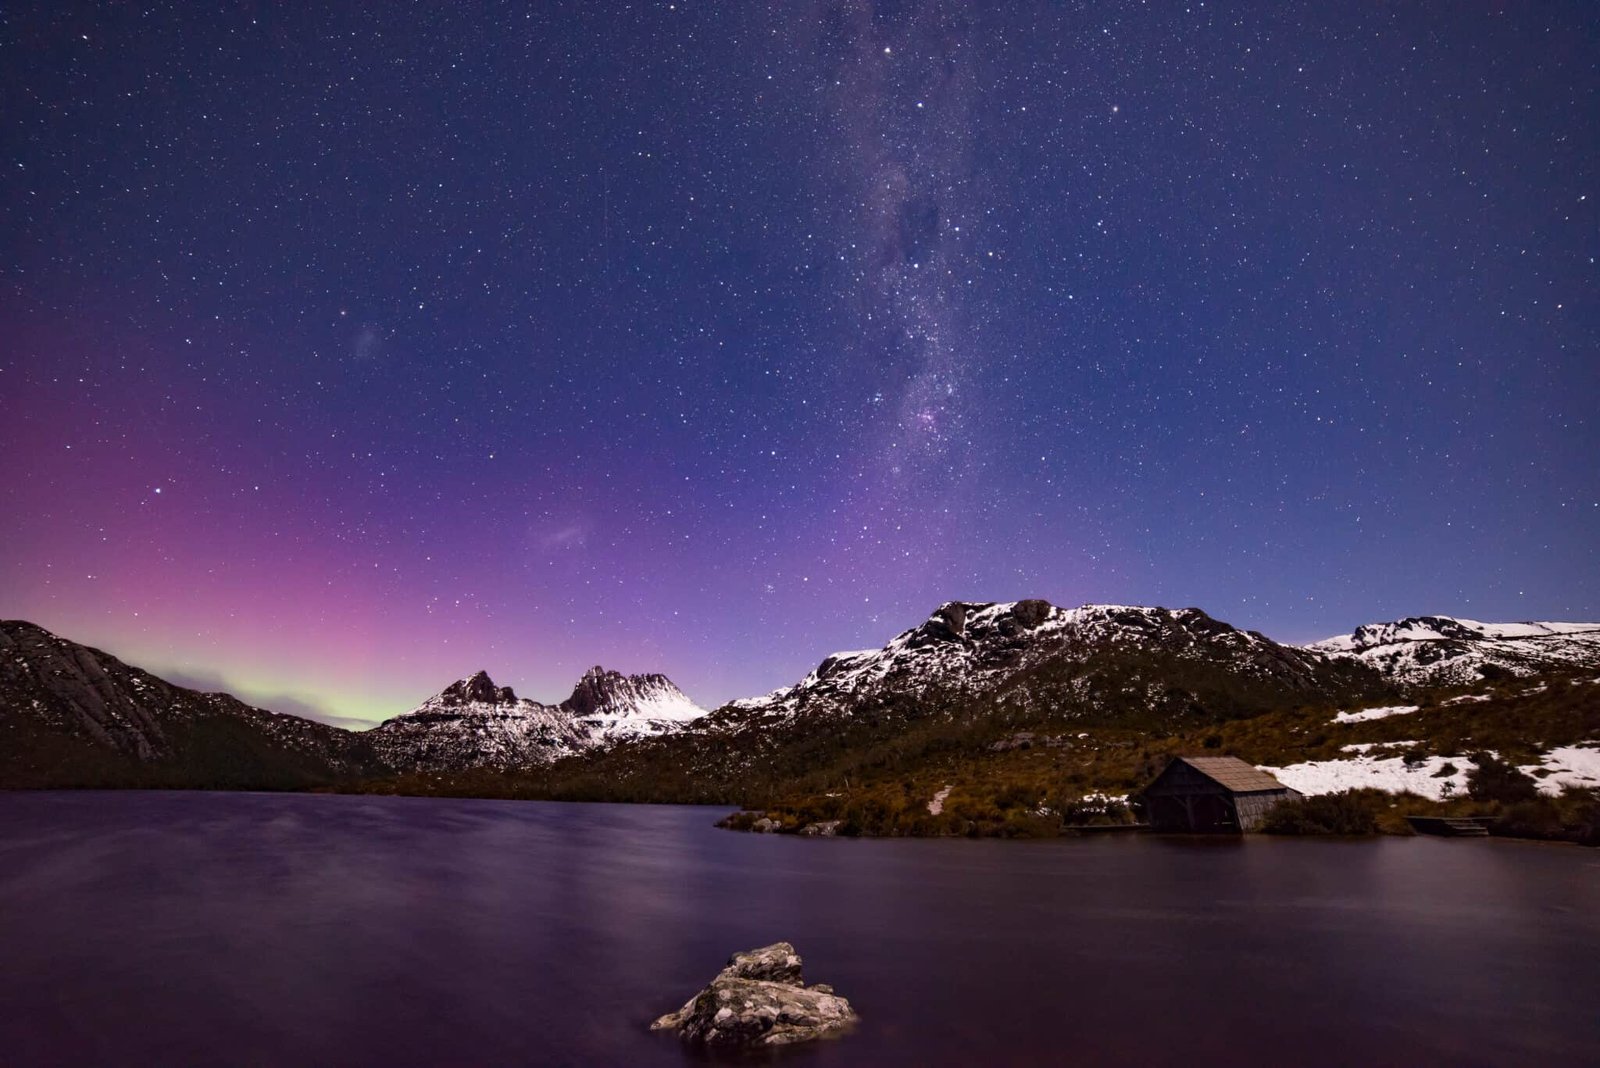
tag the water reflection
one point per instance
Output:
(268, 929)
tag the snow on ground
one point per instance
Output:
(1466, 698)
(936, 806)
(1362, 747)
(1374, 713)
(1380, 773)
(1570, 765)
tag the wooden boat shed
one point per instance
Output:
(1217, 795)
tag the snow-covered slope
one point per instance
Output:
(610, 706)
(972, 648)
(1441, 650)
(474, 723)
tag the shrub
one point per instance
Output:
(1342, 813)
(1016, 796)
(1027, 825)
(1496, 780)
(1572, 817)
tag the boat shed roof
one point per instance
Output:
(1234, 774)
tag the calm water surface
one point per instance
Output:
(191, 928)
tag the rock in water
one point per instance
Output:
(760, 999)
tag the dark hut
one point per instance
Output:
(1211, 794)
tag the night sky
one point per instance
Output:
(347, 352)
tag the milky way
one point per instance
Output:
(349, 351)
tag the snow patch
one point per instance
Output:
(1569, 766)
(1366, 714)
(1367, 747)
(1391, 774)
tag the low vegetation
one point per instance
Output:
(1574, 816)
(1015, 768)
(1352, 812)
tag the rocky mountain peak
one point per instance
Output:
(947, 624)
(477, 688)
(602, 690)
(474, 723)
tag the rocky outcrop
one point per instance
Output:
(760, 999)
(478, 688)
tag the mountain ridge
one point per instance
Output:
(474, 723)
(973, 669)
(962, 642)
(75, 715)
(1439, 650)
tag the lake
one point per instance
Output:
(204, 928)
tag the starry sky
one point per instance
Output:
(350, 348)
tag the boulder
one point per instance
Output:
(759, 999)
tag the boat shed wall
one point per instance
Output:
(1211, 795)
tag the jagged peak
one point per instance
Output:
(601, 688)
(477, 688)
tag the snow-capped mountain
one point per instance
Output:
(610, 706)
(1443, 651)
(474, 723)
(967, 649)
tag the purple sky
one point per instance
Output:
(347, 353)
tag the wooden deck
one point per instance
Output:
(1452, 826)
